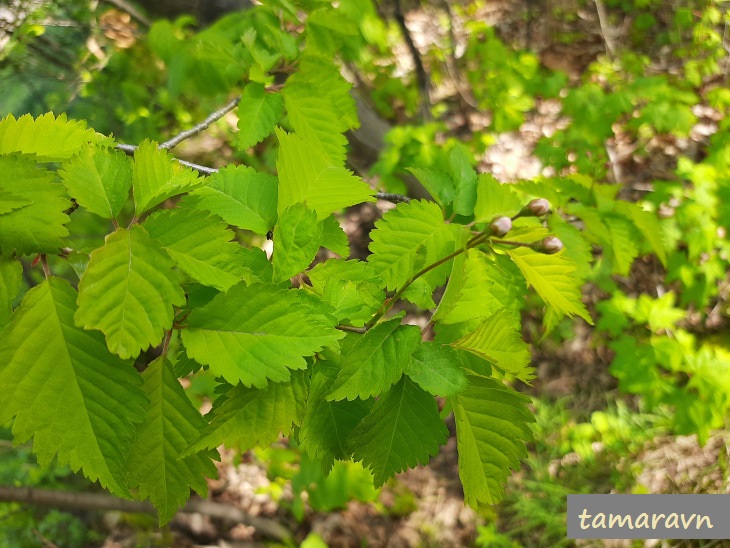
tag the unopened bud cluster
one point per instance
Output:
(538, 207)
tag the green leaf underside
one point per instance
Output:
(437, 369)
(408, 238)
(258, 113)
(499, 341)
(36, 227)
(439, 184)
(307, 175)
(50, 139)
(460, 159)
(201, 246)
(334, 237)
(66, 390)
(157, 176)
(376, 361)
(98, 179)
(153, 466)
(327, 424)
(11, 273)
(253, 334)
(551, 276)
(247, 417)
(492, 426)
(240, 196)
(494, 199)
(351, 287)
(128, 291)
(402, 430)
(297, 237)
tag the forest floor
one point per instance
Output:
(424, 506)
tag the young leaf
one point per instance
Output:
(240, 196)
(351, 287)
(491, 430)
(258, 113)
(439, 184)
(247, 417)
(498, 340)
(153, 466)
(327, 424)
(402, 430)
(623, 250)
(128, 291)
(66, 390)
(408, 238)
(307, 174)
(647, 223)
(50, 139)
(297, 237)
(156, 176)
(36, 227)
(10, 278)
(551, 276)
(334, 237)
(437, 369)
(201, 246)
(253, 334)
(10, 202)
(375, 361)
(494, 199)
(460, 161)
(98, 179)
(313, 119)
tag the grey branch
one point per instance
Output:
(202, 126)
(103, 501)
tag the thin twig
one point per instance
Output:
(202, 126)
(421, 74)
(44, 264)
(605, 30)
(390, 197)
(102, 501)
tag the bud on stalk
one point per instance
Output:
(536, 208)
(500, 226)
(549, 245)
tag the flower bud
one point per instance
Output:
(500, 226)
(549, 245)
(536, 208)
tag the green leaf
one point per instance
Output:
(11, 273)
(253, 334)
(437, 369)
(439, 184)
(494, 199)
(577, 249)
(552, 278)
(307, 175)
(240, 196)
(498, 340)
(153, 466)
(460, 164)
(297, 237)
(477, 291)
(352, 288)
(409, 237)
(66, 390)
(246, 417)
(491, 430)
(99, 179)
(10, 202)
(201, 246)
(314, 119)
(128, 291)
(258, 113)
(50, 139)
(157, 176)
(648, 224)
(622, 250)
(37, 227)
(401, 431)
(375, 361)
(334, 237)
(327, 424)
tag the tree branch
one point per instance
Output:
(202, 126)
(421, 75)
(103, 501)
